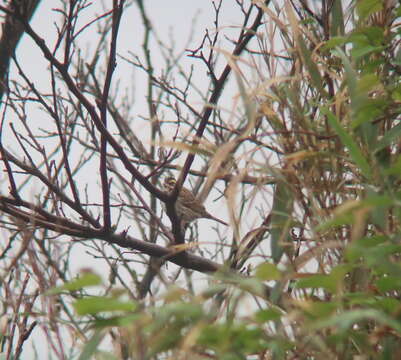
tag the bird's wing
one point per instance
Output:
(189, 200)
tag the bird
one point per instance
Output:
(187, 206)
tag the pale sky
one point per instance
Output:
(171, 19)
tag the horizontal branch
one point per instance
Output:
(64, 226)
(38, 217)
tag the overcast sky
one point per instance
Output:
(172, 20)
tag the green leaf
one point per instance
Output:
(263, 316)
(318, 281)
(337, 19)
(91, 346)
(389, 137)
(359, 247)
(123, 320)
(395, 169)
(267, 271)
(350, 318)
(389, 305)
(85, 280)
(96, 304)
(334, 42)
(252, 286)
(281, 219)
(365, 41)
(180, 310)
(329, 282)
(368, 110)
(367, 82)
(375, 200)
(347, 140)
(320, 309)
(337, 220)
(231, 340)
(345, 214)
(367, 132)
(388, 283)
(351, 74)
(365, 8)
(312, 67)
(248, 284)
(361, 51)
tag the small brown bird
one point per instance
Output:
(188, 208)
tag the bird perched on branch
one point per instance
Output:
(187, 206)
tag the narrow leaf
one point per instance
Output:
(337, 27)
(368, 7)
(96, 304)
(267, 271)
(389, 137)
(91, 346)
(86, 280)
(281, 220)
(311, 66)
(348, 141)
(346, 320)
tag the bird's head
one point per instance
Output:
(169, 183)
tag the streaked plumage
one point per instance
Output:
(188, 208)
